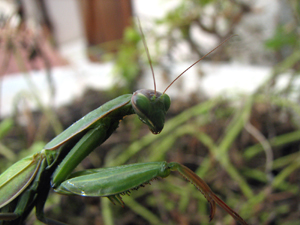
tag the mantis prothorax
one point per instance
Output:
(26, 183)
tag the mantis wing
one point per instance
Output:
(17, 177)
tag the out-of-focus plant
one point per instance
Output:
(214, 17)
(8, 155)
(23, 44)
(127, 65)
(23, 47)
(286, 47)
(253, 145)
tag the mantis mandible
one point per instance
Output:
(25, 185)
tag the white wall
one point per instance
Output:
(66, 18)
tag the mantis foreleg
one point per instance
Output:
(113, 182)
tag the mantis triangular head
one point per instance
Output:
(151, 106)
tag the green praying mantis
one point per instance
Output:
(25, 185)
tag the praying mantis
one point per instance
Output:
(25, 185)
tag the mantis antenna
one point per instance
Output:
(147, 51)
(198, 61)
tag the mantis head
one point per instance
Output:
(151, 107)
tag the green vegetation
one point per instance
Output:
(246, 148)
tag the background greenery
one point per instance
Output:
(245, 147)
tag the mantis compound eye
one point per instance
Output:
(151, 108)
(166, 100)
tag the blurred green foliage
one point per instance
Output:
(127, 65)
(284, 37)
(246, 148)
